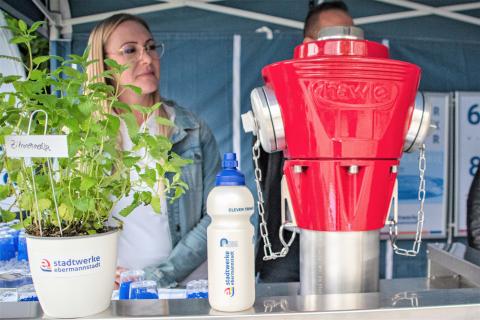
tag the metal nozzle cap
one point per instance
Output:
(248, 123)
(341, 32)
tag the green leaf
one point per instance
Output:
(65, 212)
(151, 141)
(98, 226)
(35, 26)
(155, 203)
(113, 125)
(70, 72)
(87, 183)
(4, 192)
(145, 197)
(26, 222)
(135, 89)
(74, 144)
(178, 161)
(42, 181)
(11, 78)
(26, 201)
(98, 87)
(127, 210)
(86, 107)
(110, 148)
(131, 123)
(11, 58)
(44, 204)
(178, 193)
(116, 67)
(18, 40)
(161, 171)
(7, 216)
(176, 177)
(81, 204)
(12, 99)
(40, 59)
(156, 106)
(140, 108)
(86, 52)
(164, 143)
(91, 142)
(72, 125)
(47, 99)
(4, 131)
(122, 106)
(129, 161)
(112, 64)
(59, 58)
(18, 226)
(164, 121)
(76, 59)
(91, 231)
(36, 75)
(22, 25)
(149, 177)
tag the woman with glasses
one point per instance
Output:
(168, 246)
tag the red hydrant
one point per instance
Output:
(340, 111)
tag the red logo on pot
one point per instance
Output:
(45, 265)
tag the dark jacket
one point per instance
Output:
(282, 269)
(473, 213)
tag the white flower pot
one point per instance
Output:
(73, 276)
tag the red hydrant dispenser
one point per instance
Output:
(342, 112)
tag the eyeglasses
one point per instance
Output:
(134, 51)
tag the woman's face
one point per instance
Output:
(129, 44)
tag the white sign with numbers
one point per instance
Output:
(435, 175)
(467, 153)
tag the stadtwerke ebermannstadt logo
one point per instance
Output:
(66, 265)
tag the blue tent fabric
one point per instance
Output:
(446, 65)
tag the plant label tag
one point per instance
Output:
(36, 146)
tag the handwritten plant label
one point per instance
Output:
(36, 146)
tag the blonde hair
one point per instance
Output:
(98, 39)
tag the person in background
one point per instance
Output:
(473, 213)
(168, 246)
(327, 14)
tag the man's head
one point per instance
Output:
(327, 14)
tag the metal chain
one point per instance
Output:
(267, 246)
(393, 227)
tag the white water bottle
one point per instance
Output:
(231, 270)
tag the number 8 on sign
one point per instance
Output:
(474, 162)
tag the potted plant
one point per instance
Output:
(66, 201)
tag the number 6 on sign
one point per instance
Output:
(473, 115)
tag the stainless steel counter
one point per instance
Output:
(445, 294)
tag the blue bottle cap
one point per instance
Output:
(230, 176)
